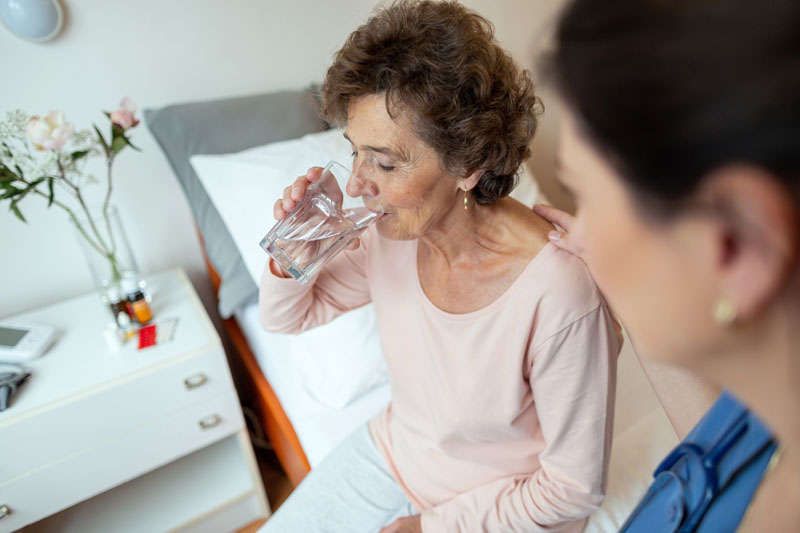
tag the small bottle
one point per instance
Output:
(125, 325)
(136, 301)
(115, 303)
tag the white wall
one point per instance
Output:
(167, 52)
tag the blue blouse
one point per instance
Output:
(708, 480)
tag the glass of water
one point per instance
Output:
(334, 211)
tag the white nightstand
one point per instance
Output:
(133, 440)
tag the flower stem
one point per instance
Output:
(78, 225)
(106, 202)
(79, 196)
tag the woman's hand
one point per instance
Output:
(564, 220)
(408, 524)
(295, 192)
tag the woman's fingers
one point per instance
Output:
(298, 188)
(288, 203)
(554, 215)
(354, 244)
(560, 237)
(278, 210)
(562, 240)
(314, 174)
(295, 192)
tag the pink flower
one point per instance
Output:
(124, 116)
(49, 132)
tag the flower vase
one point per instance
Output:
(106, 249)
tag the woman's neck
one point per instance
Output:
(763, 370)
(461, 234)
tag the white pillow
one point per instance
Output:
(243, 187)
(339, 361)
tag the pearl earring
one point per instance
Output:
(465, 200)
(724, 312)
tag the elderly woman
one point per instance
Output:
(682, 145)
(501, 351)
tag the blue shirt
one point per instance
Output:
(706, 483)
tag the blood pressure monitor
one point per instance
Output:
(21, 341)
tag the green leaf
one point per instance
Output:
(18, 194)
(11, 192)
(7, 174)
(118, 144)
(79, 154)
(51, 195)
(17, 212)
(102, 140)
(127, 140)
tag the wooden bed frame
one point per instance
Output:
(271, 415)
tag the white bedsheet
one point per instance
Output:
(318, 426)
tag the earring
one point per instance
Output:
(465, 200)
(724, 312)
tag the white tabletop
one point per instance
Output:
(80, 360)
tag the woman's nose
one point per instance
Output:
(355, 187)
(359, 183)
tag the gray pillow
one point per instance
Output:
(219, 127)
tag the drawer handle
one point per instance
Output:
(4, 511)
(210, 422)
(196, 380)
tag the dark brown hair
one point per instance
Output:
(439, 62)
(672, 90)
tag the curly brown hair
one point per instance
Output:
(440, 62)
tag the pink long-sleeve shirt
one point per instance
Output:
(500, 418)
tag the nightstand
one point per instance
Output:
(128, 440)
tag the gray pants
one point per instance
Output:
(351, 491)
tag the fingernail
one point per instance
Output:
(554, 236)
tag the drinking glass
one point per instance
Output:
(322, 223)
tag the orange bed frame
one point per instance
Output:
(273, 418)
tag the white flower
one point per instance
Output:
(49, 132)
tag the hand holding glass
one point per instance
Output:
(335, 210)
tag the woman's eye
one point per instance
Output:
(386, 168)
(354, 154)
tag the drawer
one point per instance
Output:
(103, 414)
(95, 470)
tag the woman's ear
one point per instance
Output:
(469, 182)
(758, 238)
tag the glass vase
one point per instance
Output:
(106, 249)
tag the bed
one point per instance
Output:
(232, 157)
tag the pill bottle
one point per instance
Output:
(136, 301)
(116, 304)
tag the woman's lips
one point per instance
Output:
(384, 216)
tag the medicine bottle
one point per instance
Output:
(116, 304)
(136, 300)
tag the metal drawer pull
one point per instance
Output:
(4, 511)
(194, 381)
(210, 422)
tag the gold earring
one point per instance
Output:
(725, 313)
(465, 200)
